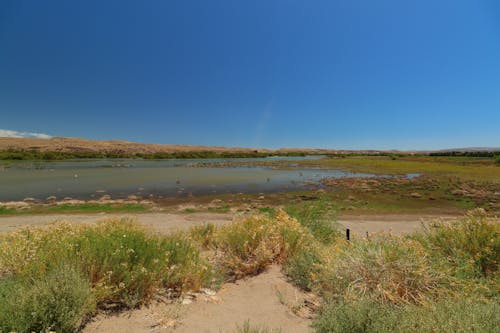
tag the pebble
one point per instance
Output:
(186, 301)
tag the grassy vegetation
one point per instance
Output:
(78, 208)
(54, 277)
(443, 279)
(250, 245)
(34, 155)
(248, 328)
(318, 216)
(462, 167)
(367, 316)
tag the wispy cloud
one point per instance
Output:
(16, 134)
(263, 122)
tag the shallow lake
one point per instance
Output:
(87, 179)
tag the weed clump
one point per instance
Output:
(470, 246)
(303, 268)
(445, 316)
(247, 246)
(387, 269)
(248, 328)
(319, 217)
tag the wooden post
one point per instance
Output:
(348, 234)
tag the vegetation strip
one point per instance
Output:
(445, 277)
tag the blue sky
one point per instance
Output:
(338, 74)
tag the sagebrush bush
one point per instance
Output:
(368, 316)
(58, 301)
(247, 246)
(386, 268)
(124, 263)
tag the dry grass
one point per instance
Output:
(247, 246)
(385, 268)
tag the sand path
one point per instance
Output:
(168, 222)
(265, 300)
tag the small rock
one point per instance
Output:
(16, 205)
(261, 197)
(186, 301)
(416, 195)
(133, 197)
(29, 200)
(105, 197)
(51, 198)
(214, 299)
(208, 292)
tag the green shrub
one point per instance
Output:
(497, 160)
(59, 302)
(302, 268)
(366, 316)
(129, 266)
(124, 263)
(319, 217)
(471, 245)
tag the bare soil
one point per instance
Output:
(168, 222)
(161, 222)
(266, 300)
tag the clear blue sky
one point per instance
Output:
(341, 74)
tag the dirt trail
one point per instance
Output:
(168, 222)
(161, 222)
(264, 300)
(395, 224)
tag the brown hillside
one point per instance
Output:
(84, 145)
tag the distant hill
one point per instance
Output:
(77, 145)
(59, 144)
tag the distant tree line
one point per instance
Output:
(58, 155)
(466, 153)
